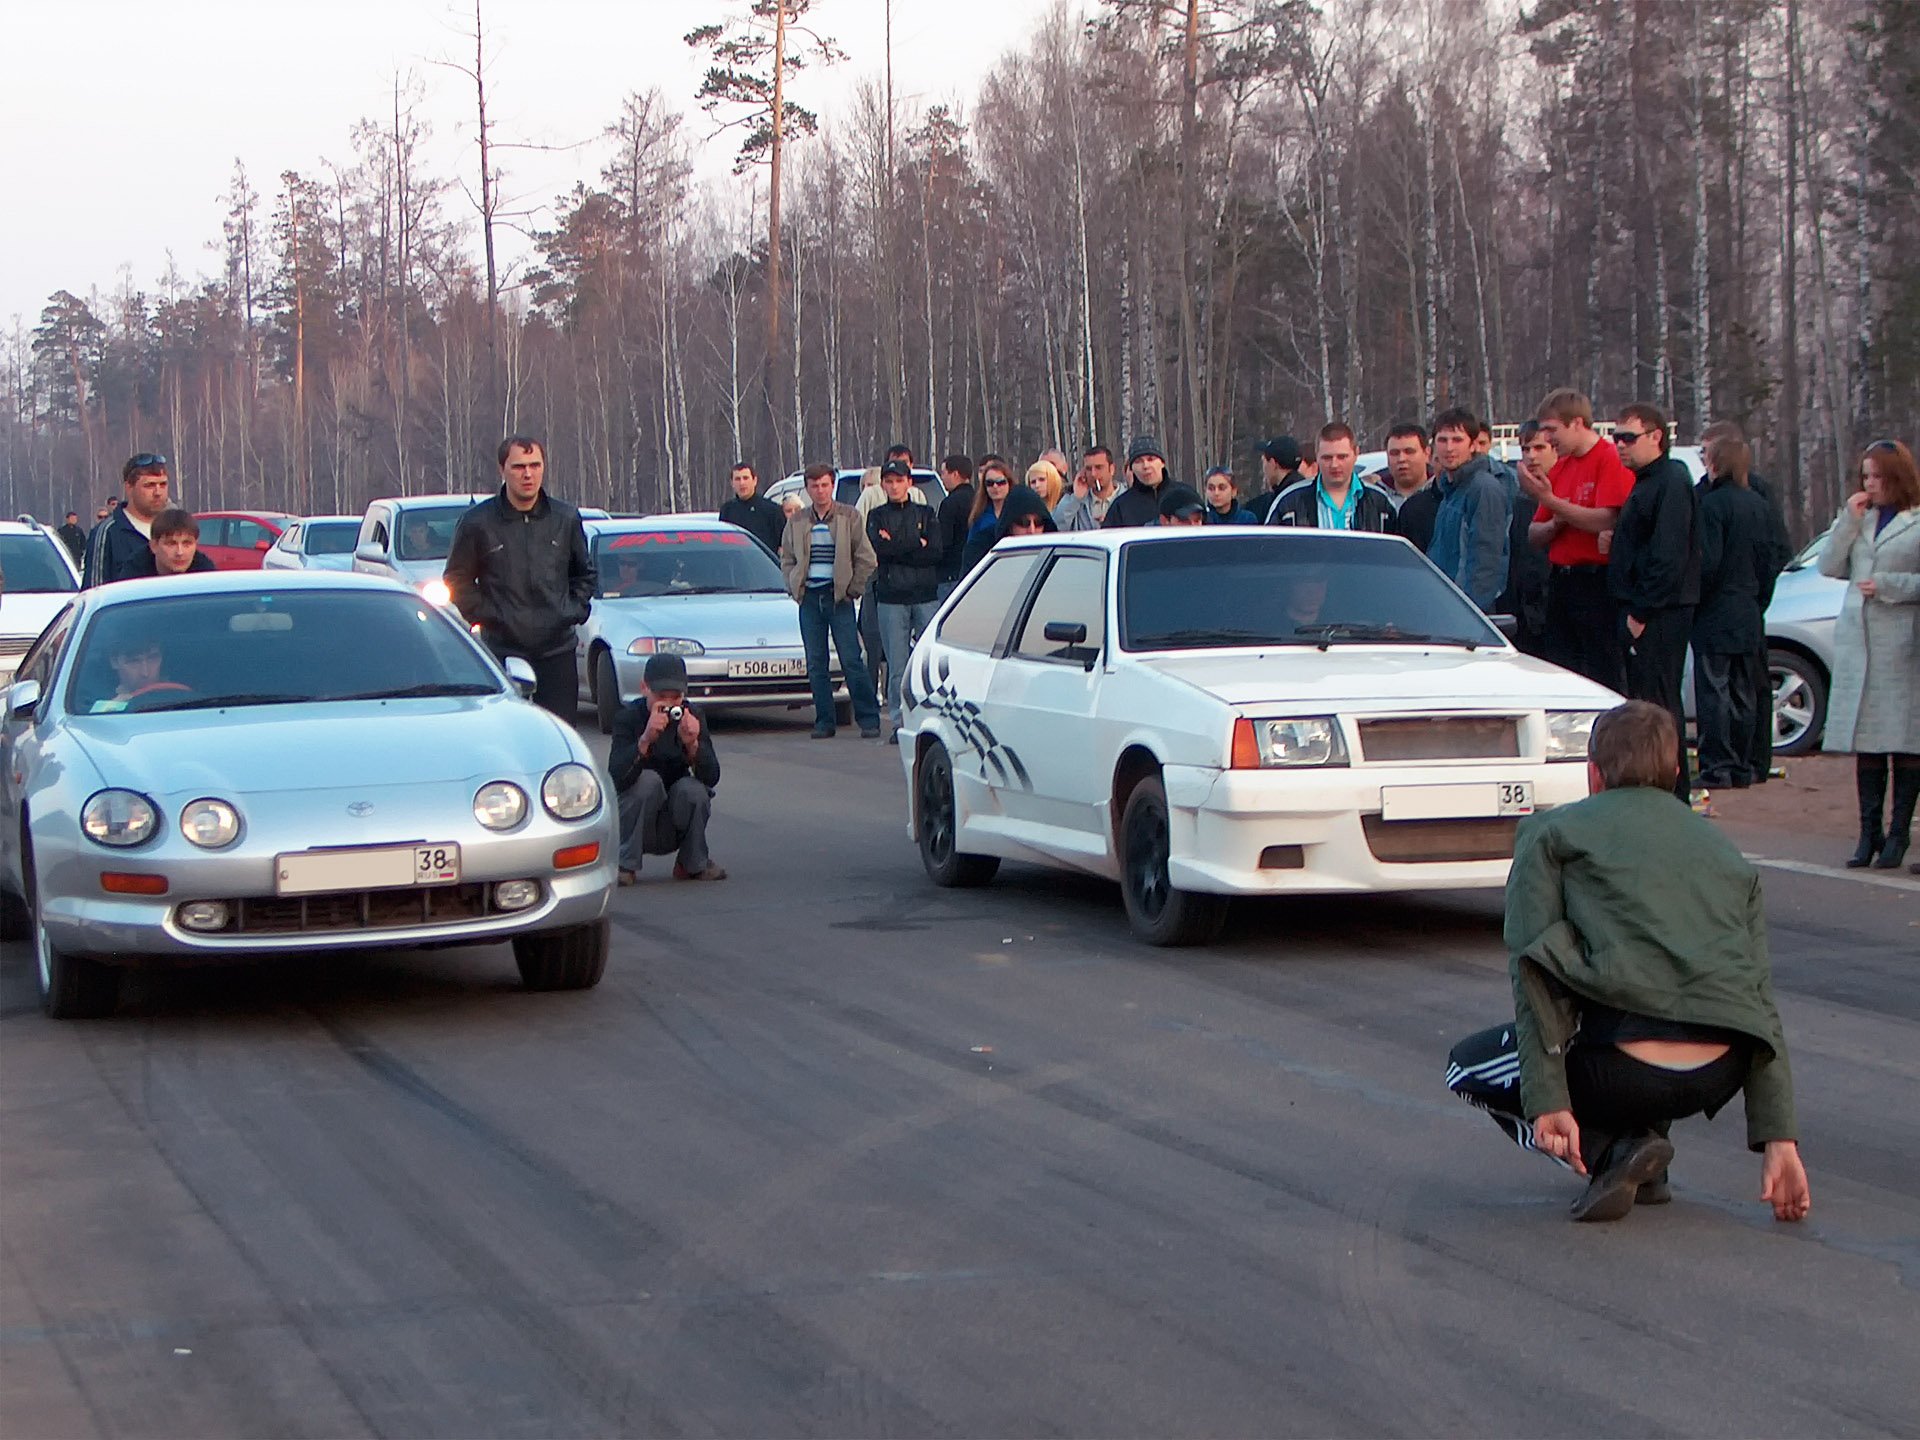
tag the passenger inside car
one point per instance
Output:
(1307, 598)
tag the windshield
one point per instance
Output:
(1299, 589)
(329, 537)
(684, 562)
(33, 567)
(202, 652)
(426, 534)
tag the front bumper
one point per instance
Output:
(81, 919)
(1271, 832)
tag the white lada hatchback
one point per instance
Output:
(1203, 713)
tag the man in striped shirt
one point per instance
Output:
(827, 560)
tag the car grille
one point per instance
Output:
(1433, 842)
(335, 911)
(1454, 737)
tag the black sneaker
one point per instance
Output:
(869, 732)
(1630, 1164)
(823, 732)
(1654, 1192)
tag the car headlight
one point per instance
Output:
(118, 817)
(1288, 744)
(435, 592)
(210, 824)
(570, 792)
(500, 806)
(1568, 732)
(665, 645)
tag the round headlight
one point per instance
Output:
(435, 592)
(210, 824)
(570, 792)
(500, 806)
(118, 817)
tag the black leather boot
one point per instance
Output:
(1870, 780)
(1906, 792)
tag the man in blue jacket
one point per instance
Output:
(1471, 529)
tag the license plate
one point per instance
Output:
(766, 669)
(1487, 799)
(375, 867)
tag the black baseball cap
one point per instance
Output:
(1284, 451)
(1180, 501)
(666, 672)
(896, 467)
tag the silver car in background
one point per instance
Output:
(317, 542)
(406, 538)
(693, 586)
(217, 765)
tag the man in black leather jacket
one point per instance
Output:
(521, 574)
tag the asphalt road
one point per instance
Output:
(831, 1152)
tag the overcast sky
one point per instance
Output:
(120, 121)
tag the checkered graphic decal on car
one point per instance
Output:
(998, 763)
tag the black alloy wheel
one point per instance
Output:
(937, 826)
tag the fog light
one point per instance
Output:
(574, 856)
(202, 915)
(516, 894)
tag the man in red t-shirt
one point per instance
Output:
(1578, 503)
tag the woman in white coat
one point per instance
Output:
(1873, 707)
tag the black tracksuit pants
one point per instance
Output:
(1656, 663)
(1583, 625)
(1729, 693)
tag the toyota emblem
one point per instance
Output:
(360, 808)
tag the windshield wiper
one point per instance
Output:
(422, 691)
(1325, 635)
(1209, 637)
(222, 702)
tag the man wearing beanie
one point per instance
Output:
(1139, 503)
(1279, 467)
(664, 767)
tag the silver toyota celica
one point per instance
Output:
(225, 764)
(693, 586)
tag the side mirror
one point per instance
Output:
(23, 698)
(520, 672)
(1063, 633)
(1507, 625)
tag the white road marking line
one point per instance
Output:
(1807, 867)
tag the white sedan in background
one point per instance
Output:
(1205, 713)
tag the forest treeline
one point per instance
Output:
(1208, 220)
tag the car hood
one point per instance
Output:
(1395, 678)
(25, 614)
(358, 744)
(718, 622)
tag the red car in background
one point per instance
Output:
(240, 539)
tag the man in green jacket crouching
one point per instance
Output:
(1642, 990)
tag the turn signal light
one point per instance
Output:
(574, 856)
(115, 883)
(1246, 748)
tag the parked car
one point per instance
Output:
(319, 542)
(1800, 625)
(37, 579)
(697, 587)
(288, 792)
(846, 486)
(407, 538)
(240, 539)
(1199, 714)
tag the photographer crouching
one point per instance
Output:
(664, 766)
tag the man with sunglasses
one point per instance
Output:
(1655, 569)
(120, 546)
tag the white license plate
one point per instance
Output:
(766, 669)
(1487, 799)
(375, 867)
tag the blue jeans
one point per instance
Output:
(819, 617)
(900, 626)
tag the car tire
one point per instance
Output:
(572, 959)
(72, 987)
(1160, 914)
(1798, 694)
(937, 826)
(606, 689)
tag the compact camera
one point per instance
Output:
(674, 712)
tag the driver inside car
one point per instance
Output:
(626, 578)
(139, 667)
(1306, 598)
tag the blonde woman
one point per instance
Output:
(1048, 481)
